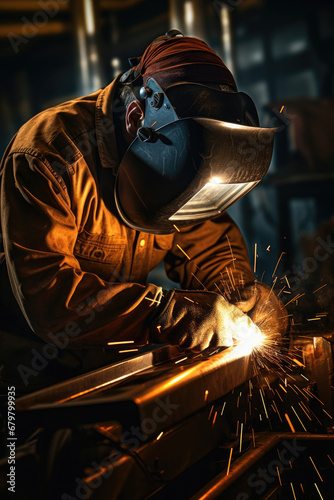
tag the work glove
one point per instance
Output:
(263, 306)
(196, 320)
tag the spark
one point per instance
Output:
(299, 418)
(278, 263)
(313, 396)
(298, 362)
(315, 484)
(313, 319)
(283, 388)
(178, 246)
(268, 248)
(206, 395)
(277, 411)
(255, 255)
(302, 407)
(316, 470)
(237, 431)
(152, 300)
(330, 459)
(223, 408)
(240, 445)
(212, 407)
(297, 297)
(121, 342)
(129, 350)
(301, 487)
(154, 123)
(229, 244)
(177, 229)
(253, 437)
(194, 276)
(279, 476)
(214, 418)
(282, 108)
(327, 414)
(229, 462)
(190, 300)
(289, 422)
(180, 360)
(158, 437)
(293, 491)
(317, 290)
(159, 328)
(264, 406)
(304, 377)
(286, 279)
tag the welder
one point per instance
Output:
(96, 192)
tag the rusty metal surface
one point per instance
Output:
(188, 385)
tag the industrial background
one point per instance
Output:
(280, 53)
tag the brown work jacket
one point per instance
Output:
(67, 259)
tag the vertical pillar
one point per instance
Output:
(87, 40)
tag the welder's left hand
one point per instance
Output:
(263, 306)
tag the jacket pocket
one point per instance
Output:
(100, 248)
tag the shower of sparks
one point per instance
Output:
(293, 491)
(316, 470)
(229, 462)
(315, 484)
(255, 256)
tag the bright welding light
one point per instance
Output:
(248, 335)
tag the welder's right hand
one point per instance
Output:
(197, 320)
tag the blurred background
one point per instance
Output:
(281, 53)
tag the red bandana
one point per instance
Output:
(183, 59)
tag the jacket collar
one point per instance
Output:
(106, 105)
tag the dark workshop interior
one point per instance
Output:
(167, 423)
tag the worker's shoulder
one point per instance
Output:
(55, 128)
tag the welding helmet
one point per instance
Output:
(181, 170)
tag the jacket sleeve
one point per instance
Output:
(54, 294)
(211, 255)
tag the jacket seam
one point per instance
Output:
(35, 154)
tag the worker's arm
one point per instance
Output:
(54, 294)
(210, 255)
